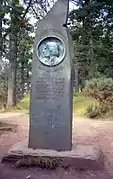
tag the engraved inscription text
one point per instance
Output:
(49, 88)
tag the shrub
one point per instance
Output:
(81, 102)
(24, 103)
(3, 97)
(93, 111)
(3, 91)
(101, 89)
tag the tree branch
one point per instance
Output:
(29, 4)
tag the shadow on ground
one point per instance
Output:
(85, 131)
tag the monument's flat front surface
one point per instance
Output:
(80, 157)
(51, 82)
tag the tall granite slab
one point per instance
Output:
(51, 85)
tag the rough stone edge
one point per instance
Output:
(91, 162)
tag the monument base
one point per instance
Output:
(80, 157)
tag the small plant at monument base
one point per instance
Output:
(33, 161)
(42, 162)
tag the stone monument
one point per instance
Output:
(50, 134)
(51, 88)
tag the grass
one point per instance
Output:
(81, 102)
(24, 103)
(22, 106)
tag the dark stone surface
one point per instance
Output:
(51, 90)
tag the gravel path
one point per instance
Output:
(85, 131)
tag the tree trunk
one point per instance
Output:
(28, 80)
(22, 77)
(76, 80)
(11, 100)
(91, 58)
(1, 17)
(76, 77)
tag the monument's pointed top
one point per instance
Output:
(59, 11)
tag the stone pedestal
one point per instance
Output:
(81, 157)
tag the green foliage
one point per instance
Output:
(101, 89)
(24, 103)
(16, 47)
(86, 106)
(3, 98)
(93, 111)
(92, 33)
(81, 101)
(42, 162)
(109, 115)
(3, 90)
(97, 111)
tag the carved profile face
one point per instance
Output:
(45, 51)
(51, 51)
(54, 50)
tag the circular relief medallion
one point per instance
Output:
(51, 51)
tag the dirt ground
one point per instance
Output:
(85, 131)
